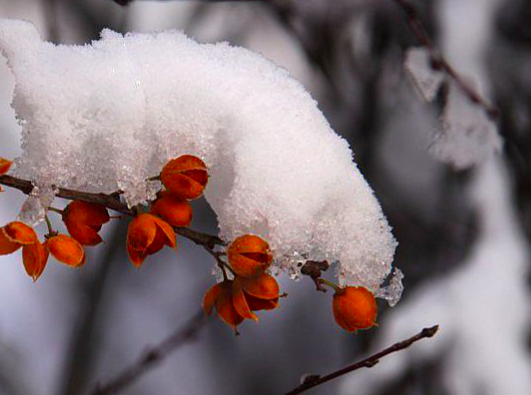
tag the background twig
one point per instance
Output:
(439, 62)
(369, 362)
(153, 356)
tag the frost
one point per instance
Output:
(109, 115)
(424, 77)
(393, 291)
(34, 208)
(466, 136)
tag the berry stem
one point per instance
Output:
(49, 225)
(225, 277)
(336, 287)
(56, 210)
(222, 264)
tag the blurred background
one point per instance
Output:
(464, 235)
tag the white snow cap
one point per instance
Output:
(109, 115)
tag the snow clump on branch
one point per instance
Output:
(109, 115)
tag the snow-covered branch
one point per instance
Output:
(439, 62)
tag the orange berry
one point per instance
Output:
(84, 221)
(185, 177)
(66, 250)
(34, 254)
(177, 212)
(240, 303)
(4, 167)
(256, 304)
(354, 308)
(209, 301)
(6, 245)
(220, 296)
(35, 257)
(20, 233)
(147, 234)
(254, 293)
(235, 300)
(249, 255)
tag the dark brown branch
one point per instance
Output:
(314, 269)
(369, 362)
(112, 202)
(153, 356)
(439, 62)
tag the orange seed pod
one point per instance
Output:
(175, 211)
(249, 255)
(84, 221)
(220, 296)
(6, 245)
(66, 250)
(34, 257)
(20, 233)
(254, 293)
(146, 235)
(185, 177)
(4, 167)
(354, 308)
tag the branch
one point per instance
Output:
(314, 381)
(152, 356)
(439, 62)
(93, 291)
(112, 202)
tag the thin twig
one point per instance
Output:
(153, 356)
(439, 62)
(112, 202)
(368, 362)
(95, 290)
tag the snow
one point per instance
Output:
(466, 135)
(482, 309)
(109, 115)
(33, 210)
(426, 79)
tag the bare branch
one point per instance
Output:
(314, 269)
(153, 356)
(316, 380)
(112, 202)
(439, 62)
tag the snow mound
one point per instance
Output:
(465, 136)
(109, 115)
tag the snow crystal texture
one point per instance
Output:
(109, 115)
